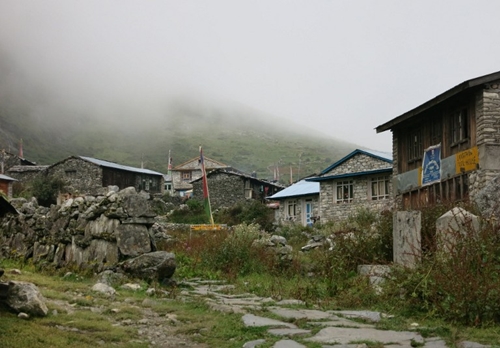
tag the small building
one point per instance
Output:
(362, 179)
(298, 203)
(6, 185)
(447, 148)
(89, 175)
(228, 187)
(185, 173)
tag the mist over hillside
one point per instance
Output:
(53, 128)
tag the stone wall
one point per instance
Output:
(81, 176)
(225, 190)
(333, 211)
(358, 163)
(281, 215)
(89, 231)
(488, 138)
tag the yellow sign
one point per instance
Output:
(208, 227)
(467, 160)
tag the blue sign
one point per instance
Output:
(431, 165)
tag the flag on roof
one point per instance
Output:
(206, 196)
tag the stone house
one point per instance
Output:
(298, 203)
(228, 187)
(86, 175)
(362, 179)
(447, 148)
(6, 185)
(185, 173)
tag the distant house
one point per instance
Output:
(446, 149)
(298, 203)
(6, 185)
(228, 187)
(18, 168)
(89, 175)
(362, 179)
(184, 173)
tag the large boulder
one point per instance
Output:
(25, 297)
(156, 266)
(133, 240)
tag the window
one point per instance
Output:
(291, 210)
(186, 176)
(415, 149)
(344, 192)
(380, 188)
(70, 172)
(459, 127)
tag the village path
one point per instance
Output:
(338, 329)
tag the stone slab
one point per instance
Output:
(253, 344)
(342, 335)
(309, 314)
(256, 321)
(371, 316)
(288, 332)
(288, 344)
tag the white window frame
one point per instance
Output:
(379, 188)
(344, 192)
(291, 207)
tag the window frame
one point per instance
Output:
(378, 181)
(343, 188)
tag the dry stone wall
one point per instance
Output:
(90, 231)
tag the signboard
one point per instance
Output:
(431, 165)
(208, 227)
(467, 160)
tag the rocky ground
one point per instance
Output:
(339, 329)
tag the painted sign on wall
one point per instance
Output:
(431, 165)
(467, 160)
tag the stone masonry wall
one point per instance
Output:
(282, 215)
(81, 176)
(225, 190)
(333, 211)
(488, 137)
(358, 163)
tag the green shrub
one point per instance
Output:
(249, 212)
(45, 189)
(461, 285)
(193, 213)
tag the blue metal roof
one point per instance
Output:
(349, 175)
(107, 164)
(301, 188)
(384, 156)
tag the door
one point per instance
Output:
(308, 213)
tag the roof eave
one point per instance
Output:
(438, 99)
(348, 175)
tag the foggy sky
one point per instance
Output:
(339, 67)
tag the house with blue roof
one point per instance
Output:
(298, 203)
(362, 179)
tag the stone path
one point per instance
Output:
(338, 329)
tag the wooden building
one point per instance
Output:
(447, 148)
(89, 175)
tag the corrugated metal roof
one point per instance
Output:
(103, 163)
(301, 188)
(5, 177)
